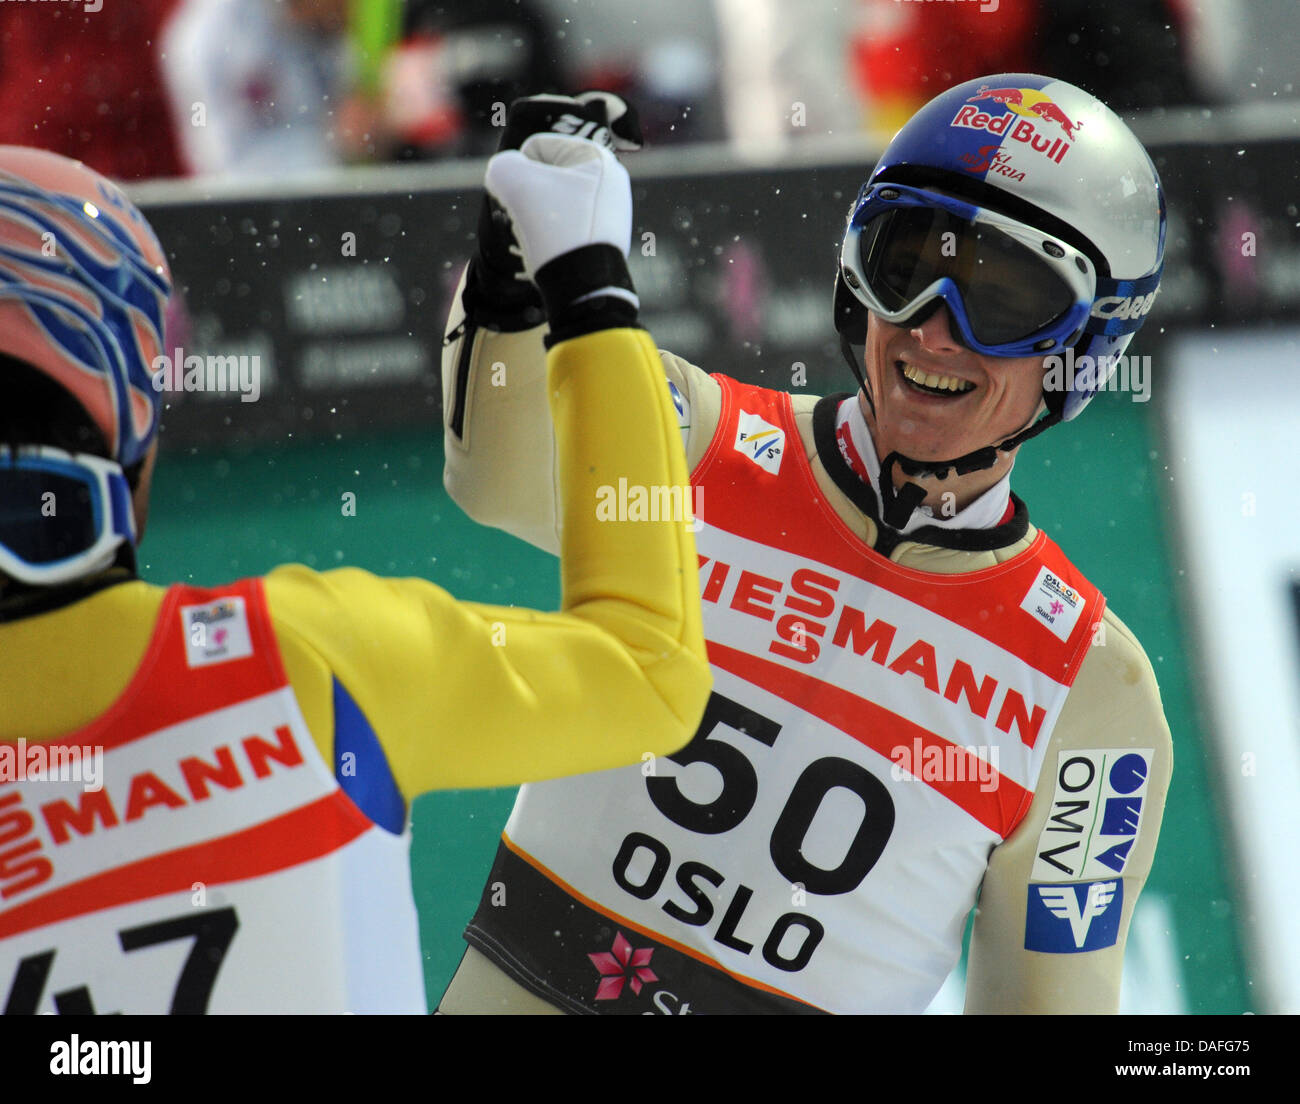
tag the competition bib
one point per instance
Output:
(874, 732)
(199, 856)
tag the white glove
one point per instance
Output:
(562, 193)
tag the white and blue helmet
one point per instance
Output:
(1058, 211)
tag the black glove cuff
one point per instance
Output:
(576, 274)
(579, 272)
(605, 312)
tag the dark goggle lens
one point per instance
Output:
(44, 517)
(903, 251)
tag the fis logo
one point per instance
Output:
(761, 441)
(1067, 919)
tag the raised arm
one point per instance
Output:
(498, 437)
(461, 694)
(497, 433)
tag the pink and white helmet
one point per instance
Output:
(84, 287)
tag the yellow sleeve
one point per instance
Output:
(1114, 703)
(500, 445)
(465, 695)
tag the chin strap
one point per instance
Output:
(899, 503)
(851, 358)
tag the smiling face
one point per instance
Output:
(936, 399)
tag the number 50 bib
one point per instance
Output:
(874, 733)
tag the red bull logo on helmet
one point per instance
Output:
(1030, 103)
(1027, 110)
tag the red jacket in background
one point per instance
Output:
(86, 85)
(904, 54)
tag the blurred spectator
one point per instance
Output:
(670, 80)
(1130, 53)
(256, 85)
(86, 84)
(904, 54)
(458, 67)
(785, 74)
(461, 64)
(668, 58)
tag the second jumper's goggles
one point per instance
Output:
(62, 515)
(1012, 290)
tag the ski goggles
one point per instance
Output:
(62, 516)
(1011, 290)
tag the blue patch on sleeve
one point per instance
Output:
(1128, 772)
(365, 777)
(678, 401)
(1074, 917)
(1120, 816)
(1115, 857)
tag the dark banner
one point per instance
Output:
(323, 315)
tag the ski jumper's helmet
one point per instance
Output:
(84, 286)
(1029, 210)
